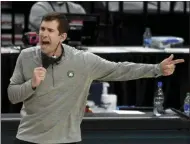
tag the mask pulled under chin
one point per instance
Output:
(46, 60)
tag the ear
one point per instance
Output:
(63, 37)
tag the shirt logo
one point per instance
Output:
(70, 74)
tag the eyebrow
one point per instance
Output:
(48, 28)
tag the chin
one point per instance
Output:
(44, 49)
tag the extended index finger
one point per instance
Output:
(177, 61)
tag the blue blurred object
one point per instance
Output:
(162, 42)
(159, 84)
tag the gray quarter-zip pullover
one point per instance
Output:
(53, 112)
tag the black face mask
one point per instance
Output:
(47, 61)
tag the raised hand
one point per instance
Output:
(38, 76)
(168, 65)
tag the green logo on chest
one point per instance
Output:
(70, 74)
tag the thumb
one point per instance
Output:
(41, 66)
(170, 58)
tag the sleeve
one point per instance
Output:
(104, 70)
(82, 10)
(19, 89)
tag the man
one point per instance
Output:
(53, 79)
(39, 9)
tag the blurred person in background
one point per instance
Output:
(39, 9)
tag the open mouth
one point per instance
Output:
(45, 42)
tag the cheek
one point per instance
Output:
(54, 40)
(40, 40)
(54, 43)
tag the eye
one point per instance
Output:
(42, 28)
(50, 30)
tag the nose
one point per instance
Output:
(43, 33)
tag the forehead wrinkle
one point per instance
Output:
(51, 25)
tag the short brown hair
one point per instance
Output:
(63, 26)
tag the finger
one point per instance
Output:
(41, 69)
(168, 72)
(170, 58)
(178, 61)
(41, 77)
(40, 72)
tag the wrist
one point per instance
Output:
(158, 70)
(33, 86)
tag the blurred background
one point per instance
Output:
(113, 30)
